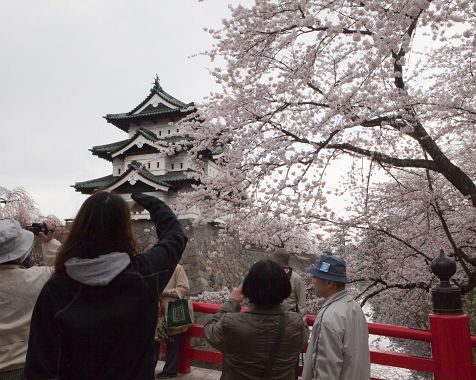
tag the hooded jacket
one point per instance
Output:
(339, 344)
(246, 341)
(97, 319)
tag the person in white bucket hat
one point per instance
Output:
(19, 289)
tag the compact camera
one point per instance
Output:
(36, 228)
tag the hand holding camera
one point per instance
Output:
(44, 230)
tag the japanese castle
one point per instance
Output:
(139, 163)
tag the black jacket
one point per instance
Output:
(106, 332)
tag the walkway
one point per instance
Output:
(197, 373)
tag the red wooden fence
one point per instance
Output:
(449, 336)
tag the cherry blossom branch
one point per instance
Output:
(387, 286)
(405, 243)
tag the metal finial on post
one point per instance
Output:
(446, 297)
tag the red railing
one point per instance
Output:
(449, 336)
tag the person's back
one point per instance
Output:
(265, 340)
(96, 317)
(101, 328)
(249, 338)
(342, 314)
(19, 289)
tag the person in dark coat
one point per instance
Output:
(96, 317)
(265, 341)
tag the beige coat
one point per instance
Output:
(339, 344)
(297, 298)
(178, 287)
(246, 341)
(49, 251)
(19, 289)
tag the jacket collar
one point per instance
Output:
(335, 297)
(257, 309)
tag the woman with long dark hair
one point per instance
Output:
(95, 318)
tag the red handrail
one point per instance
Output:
(386, 358)
(374, 328)
(391, 331)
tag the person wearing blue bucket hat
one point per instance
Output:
(339, 343)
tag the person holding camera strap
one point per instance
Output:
(19, 289)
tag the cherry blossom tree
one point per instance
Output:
(19, 205)
(268, 231)
(382, 87)
(405, 225)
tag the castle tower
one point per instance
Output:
(138, 162)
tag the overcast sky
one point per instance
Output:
(65, 64)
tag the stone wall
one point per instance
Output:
(211, 265)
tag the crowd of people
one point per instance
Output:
(92, 311)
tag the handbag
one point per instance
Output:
(179, 313)
(161, 330)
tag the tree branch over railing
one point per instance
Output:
(386, 286)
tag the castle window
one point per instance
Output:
(160, 133)
(181, 165)
(148, 165)
(169, 131)
(172, 166)
(158, 165)
(177, 129)
(118, 170)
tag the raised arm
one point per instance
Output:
(214, 328)
(163, 256)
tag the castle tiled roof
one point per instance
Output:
(168, 180)
(151, 112)
(106, 151)
(95, 184)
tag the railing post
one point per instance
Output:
(449, 326)
(185, 357)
